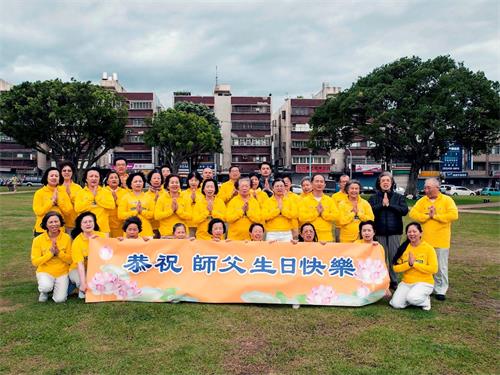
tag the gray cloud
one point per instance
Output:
(279, 47)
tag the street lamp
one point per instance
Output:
(310, 163)
(350, 163)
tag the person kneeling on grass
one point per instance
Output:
(417, 260)
(132, 227)
(51, 254)
(85, 228)
(217, 229)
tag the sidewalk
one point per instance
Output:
(476, 208)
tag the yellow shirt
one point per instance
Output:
(99, 206)
(349, 222)
(260, 195)
(167, 217)
(186, 195)
(201, 216)
(279, 220)
(425, 265)
(45, 261)
(155, 223)
(296, 199)
(80, 249)
(239, 222)
(127, 207)
(323, 223)
(226, 191)
(115, 224)
(338, 197)
(42, 203)
(437, 231)
(69, 218)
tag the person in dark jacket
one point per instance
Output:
(389, 208)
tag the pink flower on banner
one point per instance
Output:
(371, 271)
(321, 295)
(363, 291)
(105, 253)
(109, 283)
(103, 283)
(127, 290)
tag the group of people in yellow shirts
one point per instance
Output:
(241, 209)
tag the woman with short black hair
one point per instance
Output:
(51, 197)
(51, 254)
(68, 173)
(137, 203)
(86, 227)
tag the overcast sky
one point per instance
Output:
(286, 48)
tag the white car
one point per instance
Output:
(459, 190)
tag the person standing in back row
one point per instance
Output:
(436, 212)
(389, 209)
(266, 178)
(121, 168)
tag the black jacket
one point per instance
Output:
(389, 220)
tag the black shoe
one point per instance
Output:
(440, 297)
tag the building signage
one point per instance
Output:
(371, 168)
(452, 160)
(315, 168)
(456, 174)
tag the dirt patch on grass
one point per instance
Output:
(6, 306)
(239, 359)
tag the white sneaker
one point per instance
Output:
(44, 297)
(81, 295)
(295, 306)
(427, 306)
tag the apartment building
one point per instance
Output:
(245, 127)
(290, 128)
(15, 158)
(141, 105)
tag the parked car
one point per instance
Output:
(445, 187)
(490, 191)
(459, 190)
(32, 181)
(297, 189)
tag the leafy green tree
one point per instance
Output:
(184, 133)
(75, 121)
(413, 110)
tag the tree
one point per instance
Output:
(413, 110)
(75, 121)
(183, 133)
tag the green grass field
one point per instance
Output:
(459, 336)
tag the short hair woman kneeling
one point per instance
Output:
(417, 260)
(51, 254)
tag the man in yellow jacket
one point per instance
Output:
(319, 209)
(436, 212)
(227, 190)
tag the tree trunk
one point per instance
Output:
(411, 188)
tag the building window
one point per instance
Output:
(496, 150)
(135, 139)
(259, 142)
(301, 127)
(315, 159)
(141, 156)
(371, 144)
(305, 144)
(138, 122)
(302, 111)
(251, 109)
(140, 104)
(250, 125)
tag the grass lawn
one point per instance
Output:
(459, 336)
